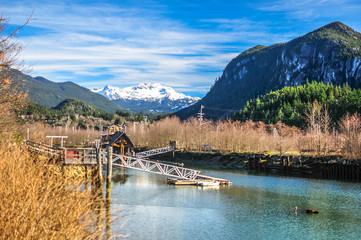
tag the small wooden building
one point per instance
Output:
(120, 141)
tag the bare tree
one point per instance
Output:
(313, 117)
(318, 127)
(325, 120)
(350, 127)
(10, 98)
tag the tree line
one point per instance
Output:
(79, 113)
(291, 104)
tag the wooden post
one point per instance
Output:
(109, 172)
(173, 144)
(100, 170)
(86, 178)
(63, 173)
(94, 183)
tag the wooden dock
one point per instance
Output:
(103, 155)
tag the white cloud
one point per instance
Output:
(127, 46)
(311, 9)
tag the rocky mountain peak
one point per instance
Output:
(330, 54)
(147, 96)
(335, 28)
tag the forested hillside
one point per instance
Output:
(290, 104)
(330, 54)
(50, 94)
(68, 107)
(78, 113)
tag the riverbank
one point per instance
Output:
(324, 167)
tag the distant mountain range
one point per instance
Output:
(144, 97)
(330, 54)
(50, 94)
(152, 97)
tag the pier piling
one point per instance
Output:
(109, 172)
(99, 179)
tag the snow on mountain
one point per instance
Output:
(147, 96)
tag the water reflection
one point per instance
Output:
(254, 207)
(108, 228)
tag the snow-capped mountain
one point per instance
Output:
(147, 96)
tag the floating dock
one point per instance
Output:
(201, 180)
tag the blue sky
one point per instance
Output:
(179, 43)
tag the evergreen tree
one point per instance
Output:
(291, 103)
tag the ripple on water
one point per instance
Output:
(254, 207)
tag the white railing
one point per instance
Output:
(154, 152)
(155, 167)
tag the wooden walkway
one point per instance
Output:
(89, 156)
(96, 156)
(80, 156)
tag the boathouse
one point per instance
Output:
(120, 141)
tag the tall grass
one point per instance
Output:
(224, 136)
(76, 136)
(249, 136)
(36, 202)
(229, 136)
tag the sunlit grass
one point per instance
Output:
(40, 202)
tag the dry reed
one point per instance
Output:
(38, 203)
(77, 137)
(224, 136)
(229, 136)
(249, 136)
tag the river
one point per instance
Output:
(255, 206)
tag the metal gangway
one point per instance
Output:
(154, 167)
(154, 152)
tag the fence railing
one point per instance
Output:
(68, 155)
(80, 155)
(43, 149)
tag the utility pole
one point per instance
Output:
(201, 115)
(200, 118)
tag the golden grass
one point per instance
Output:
(249, 136)
(76, 137)
(36, 202)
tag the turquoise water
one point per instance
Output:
(253, 207)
